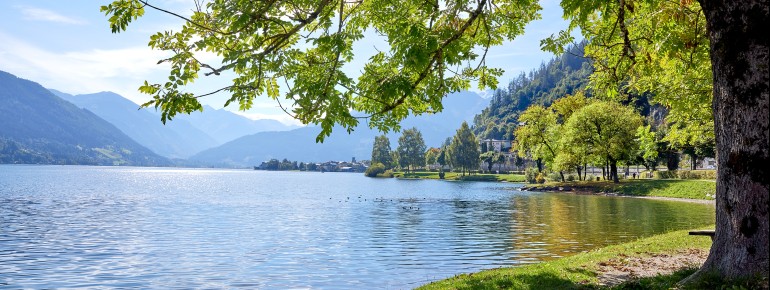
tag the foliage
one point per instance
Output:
(648, 146)
(442, 157)
(661, 49)
(605, 130)
(491, 157)
(381, 151)
(431, 156)
(686, 174)
(540, 178)
(464, 150)
(539, 134)
(388, 173)
(375, 169)
(411, 149)
(530, 175)
(669, 174)
(563, 75)
(304, 46)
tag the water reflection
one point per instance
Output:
(163, 228)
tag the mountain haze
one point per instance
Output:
(39, 127)
(299, 144)
(225, 126)
(175, 139)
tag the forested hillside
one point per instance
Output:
(560, 76)
(41, 128)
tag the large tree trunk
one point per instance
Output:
(739, 57)
(614, 170)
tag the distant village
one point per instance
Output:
(328, 166)
(500, 146)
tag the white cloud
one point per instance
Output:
(119, 70)
(38, 14)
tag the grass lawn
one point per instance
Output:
(581, 271)
(692, 189)
(458, 176)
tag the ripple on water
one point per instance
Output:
(91, 227)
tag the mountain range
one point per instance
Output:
(40, 128)
(49, 126)
(179, 138)
(299, 144)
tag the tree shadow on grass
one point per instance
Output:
(519, 281)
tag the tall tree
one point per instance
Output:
(431, 156)
(608, 129)
(464, 150)
(698, 56)
(411, 149)
(381, 151)
(539, 135)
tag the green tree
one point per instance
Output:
(431, 156)
(411, 149)
(464, 150)
(442, 157)
(648, 146)
(539, 135)
(381, 151)
(492, 158)
(607, 130)
(696, 56)
(259, 42)
(306, 44)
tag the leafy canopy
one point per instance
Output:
(464, 150)
(411, 149)
(294, 51)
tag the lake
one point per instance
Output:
(78, 226)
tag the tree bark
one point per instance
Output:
(614, 170)
(739, 56)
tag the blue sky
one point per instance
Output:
(68, 46)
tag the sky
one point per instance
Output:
(68, 46)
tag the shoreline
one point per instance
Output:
(566, 189)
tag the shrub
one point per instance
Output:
(540, 178)
(671, 174)
(387, 173)
(554, 176)
(697, 174)
(570, 177)
(441, 174)
(531, 175)
(375, 169)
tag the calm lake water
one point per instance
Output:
(72, 226)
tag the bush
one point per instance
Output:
(375, 169)
(697, 174)
(570, 177)
(671, 174)
(540, 178)
(387, 173)
(554, 176)
(531, 175)
(441, 175)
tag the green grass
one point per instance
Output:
(580, 271)
(692, 189)
(458, 176)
